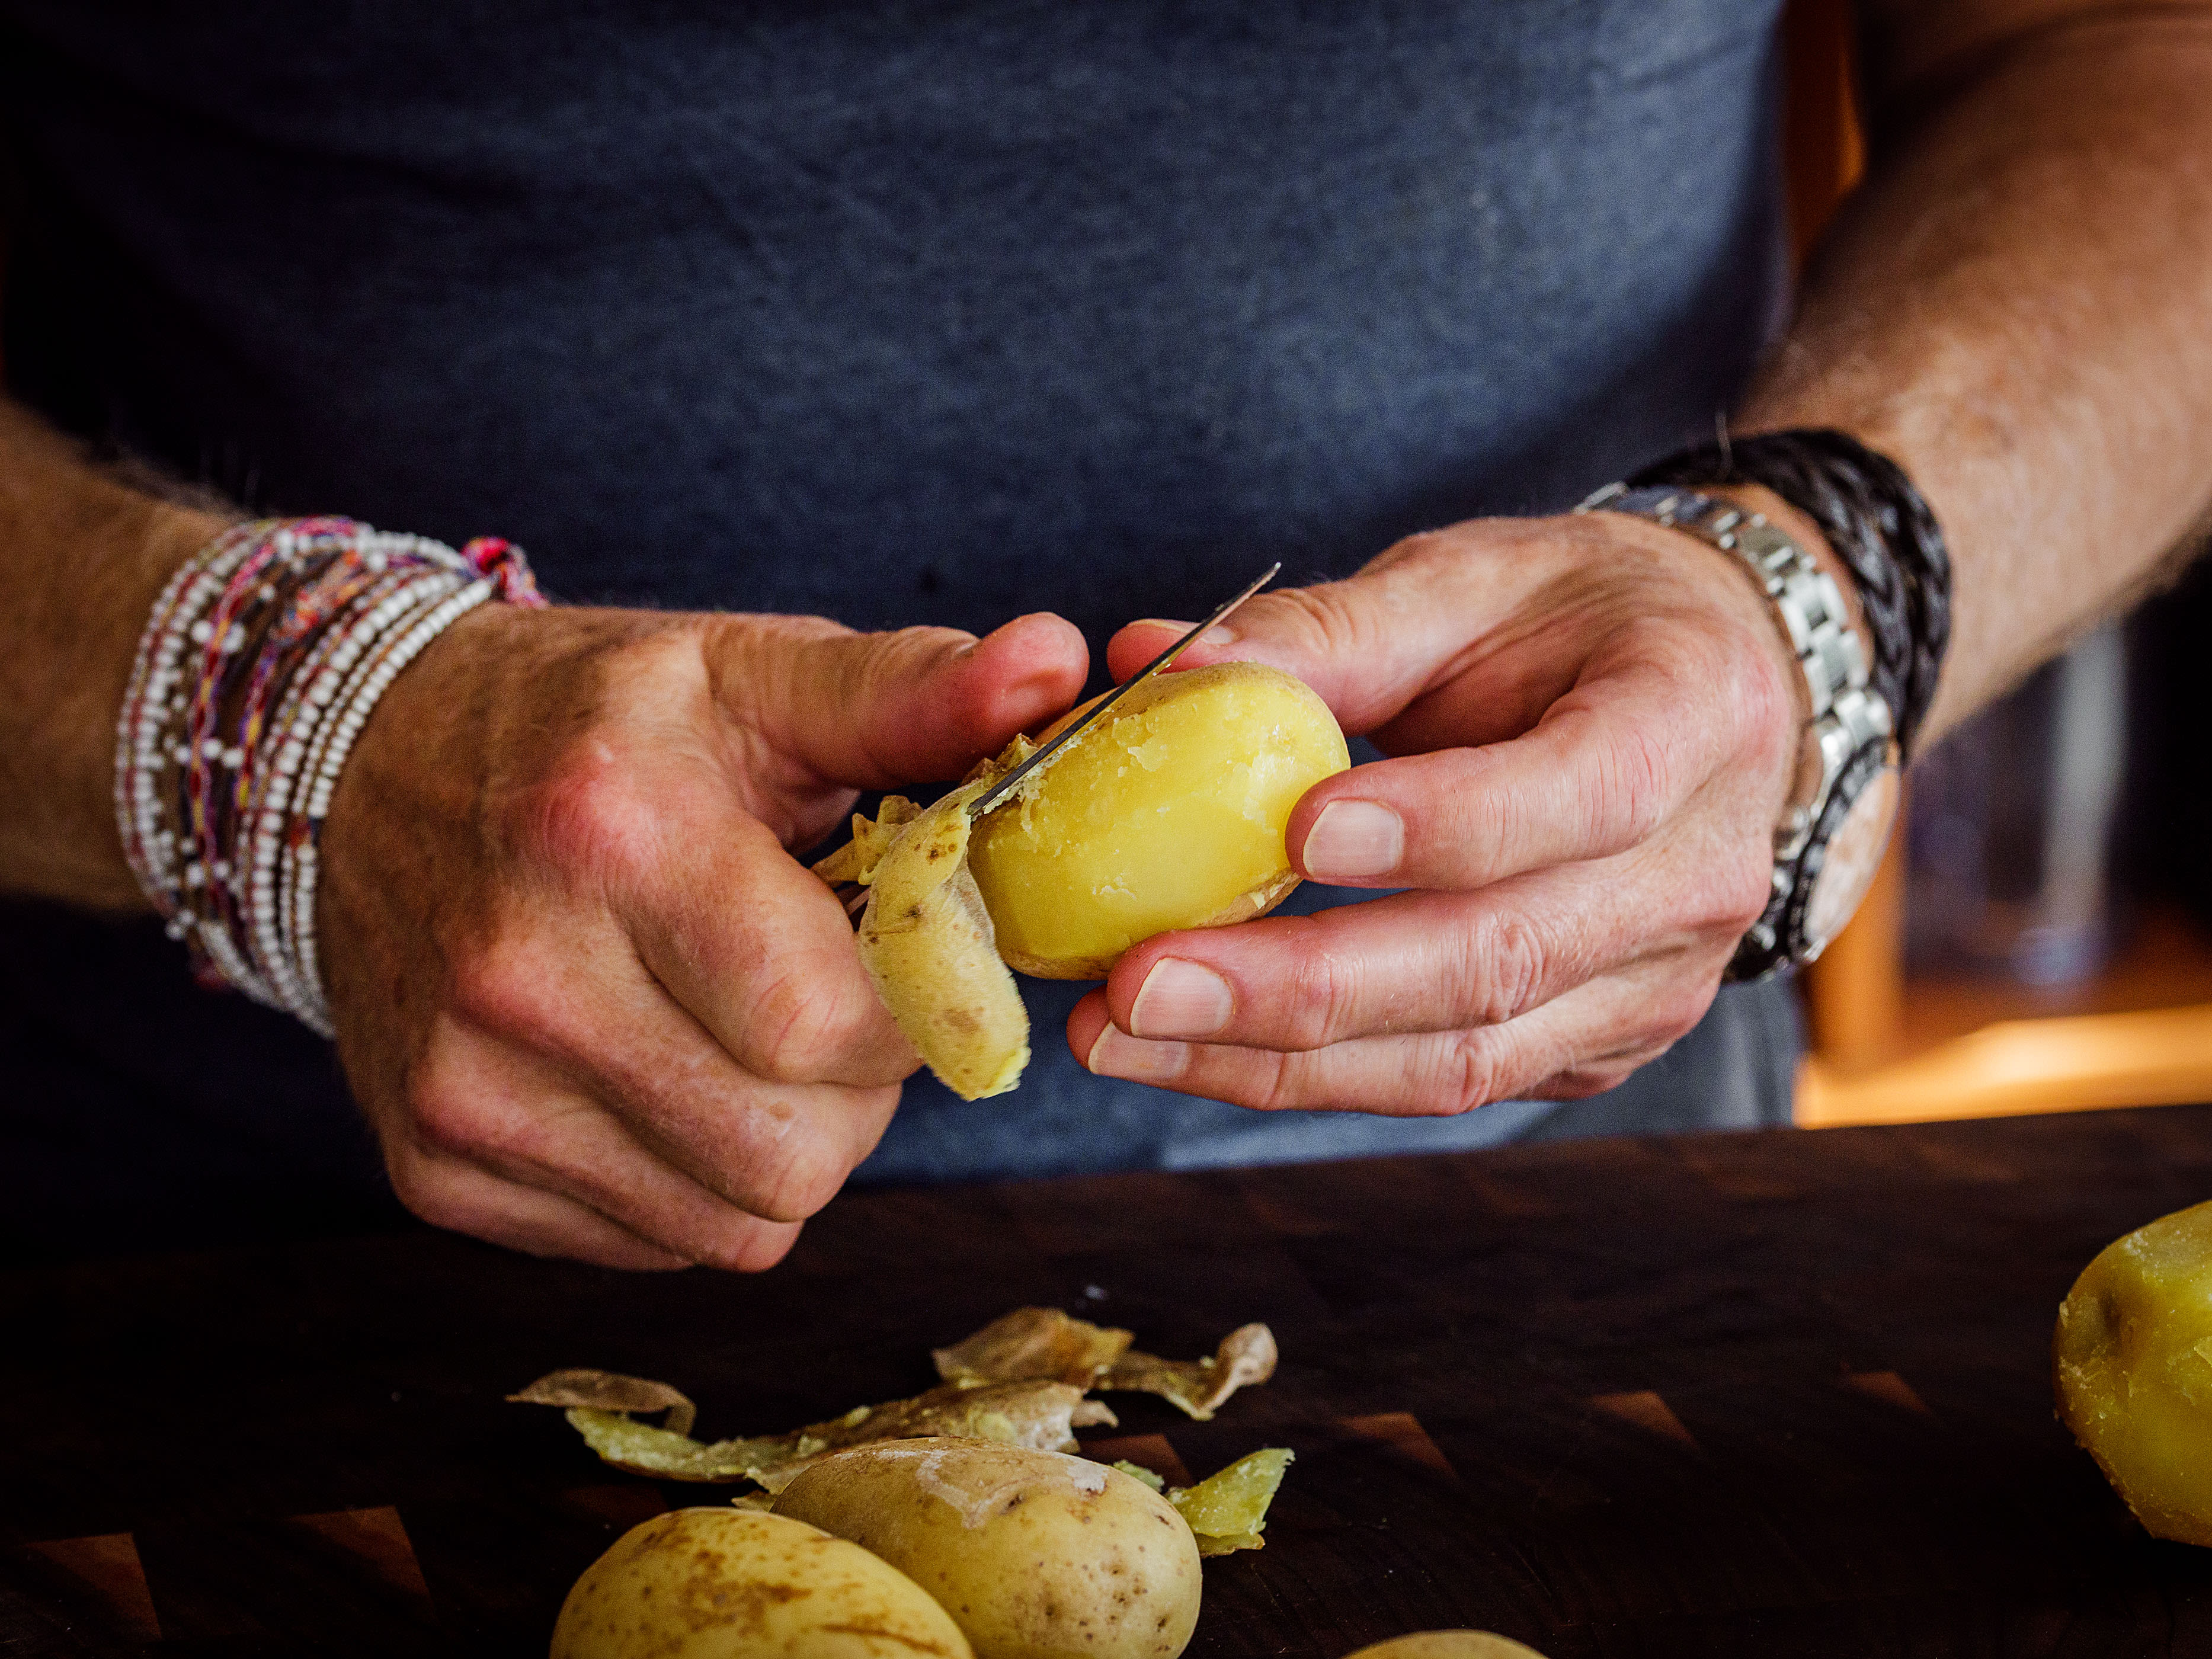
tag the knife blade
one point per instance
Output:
(983, 802)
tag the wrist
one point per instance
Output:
(260, 661)
(1871, 517)
(1841, 809)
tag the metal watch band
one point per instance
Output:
(1876, 522)
(1850, 720)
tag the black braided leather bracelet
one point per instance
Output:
(1879, 525)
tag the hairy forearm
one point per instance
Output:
(2018, 307)
(82, 555)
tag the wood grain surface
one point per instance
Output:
(1779, 1394)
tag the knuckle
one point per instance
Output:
(732, 1248)
(1765, 703)
(587, 819)
(1471, 1074)
(796, 1025)
(1426, 546)
(1580, 1082)
(1323, 1007)
(1633, 781)
(799, 1183)
(1507, 961)
(1747, 886)
(745, 1245)
(1326, 618)
(446, 1115)
(503, 986)
(1733, 894)
(430, 1195)
(1283, 1087)
(1676, 1013)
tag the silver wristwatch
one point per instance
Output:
(1829, 844)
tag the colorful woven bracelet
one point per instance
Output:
(260, 664)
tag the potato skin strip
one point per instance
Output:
(856, 861)
(1197, 1387)
(643, 1450)
(929, 945)
(1034, 1342)
(1037, 1415)
(609, 1391)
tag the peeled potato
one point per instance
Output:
(1447, 1644)
(2133, 1363)
(1169, 814)
(725, 1583)
(1035, 1555)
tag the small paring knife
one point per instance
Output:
(854, 897)
(990, 797)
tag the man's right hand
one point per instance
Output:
(591, 1003)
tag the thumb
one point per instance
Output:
(1370, 644)
(871, 711)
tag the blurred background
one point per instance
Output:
(2040, 938)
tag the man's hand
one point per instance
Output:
(1593, 723)
(592, 1004)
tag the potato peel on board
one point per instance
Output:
(1040, 1416)
(1021, 1380)
(1034, 1342)
(609, 1391)
(1197, 1387)
(1041, 1342)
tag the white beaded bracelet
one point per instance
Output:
(260, 664)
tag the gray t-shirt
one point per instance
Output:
(897, 312)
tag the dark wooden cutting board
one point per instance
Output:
(1776, 1394)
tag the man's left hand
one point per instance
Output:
(1593, 725)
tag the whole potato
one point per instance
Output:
(2133, 1362)
(1167, 814)
(1447, 1644)
(1037, 1555)
(720, 1583)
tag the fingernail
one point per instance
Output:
(1219, 634)
(1116, 1055)
(1354, 838)
(1180, 1000)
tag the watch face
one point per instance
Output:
(1852, 857)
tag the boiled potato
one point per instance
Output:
(2133, 1363)
(724, 1583)
(1037, 1555)
(1447, 1644)
(1169, 814)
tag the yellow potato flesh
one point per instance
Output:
(2133, 1363)
(1037, 1555)
(1169, 814)
(1228, 1510)
(725, 1583)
